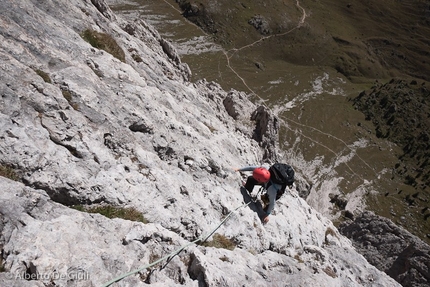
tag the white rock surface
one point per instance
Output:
(138, 134)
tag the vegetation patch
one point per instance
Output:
(137, 58)
(220, 241)
(69, 97)
(8, 172)
(298, 258)
(128, 213)
(224, 259)
(104, 42)
(135, 55)
(330, 272)
(331, 232)
(44, 76)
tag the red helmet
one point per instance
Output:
(261, 174)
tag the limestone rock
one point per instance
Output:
(391, 248)
(265, 132)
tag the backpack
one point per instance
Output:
(283, 174)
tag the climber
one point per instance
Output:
(274, 180)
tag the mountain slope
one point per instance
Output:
(363, 40)
(118, 124)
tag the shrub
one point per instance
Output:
(137, 58)
(298, 258)
(128, 213)
(330, 272)
(331, 232)
(134, 55)
(104, 42)
(220, 241)
(224, 259)
(68, 96)
(8, 172)
(43, 75)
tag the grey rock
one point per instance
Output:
(261, 24)
(170, 50)
(265, 132)
(390, 248)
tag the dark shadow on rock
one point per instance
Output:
(390, 248)
(401, 265)
(254, 205)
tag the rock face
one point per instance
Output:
(390, 248)
(80, 126)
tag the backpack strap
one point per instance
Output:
(279, 192)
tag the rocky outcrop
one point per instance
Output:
(265, 132)
(390, 248)
(80, 127)
(261, 24)
(197, 13)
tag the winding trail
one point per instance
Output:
(299, 24)
(284, 120)
(235, 50)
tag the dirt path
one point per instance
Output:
(233, 51)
